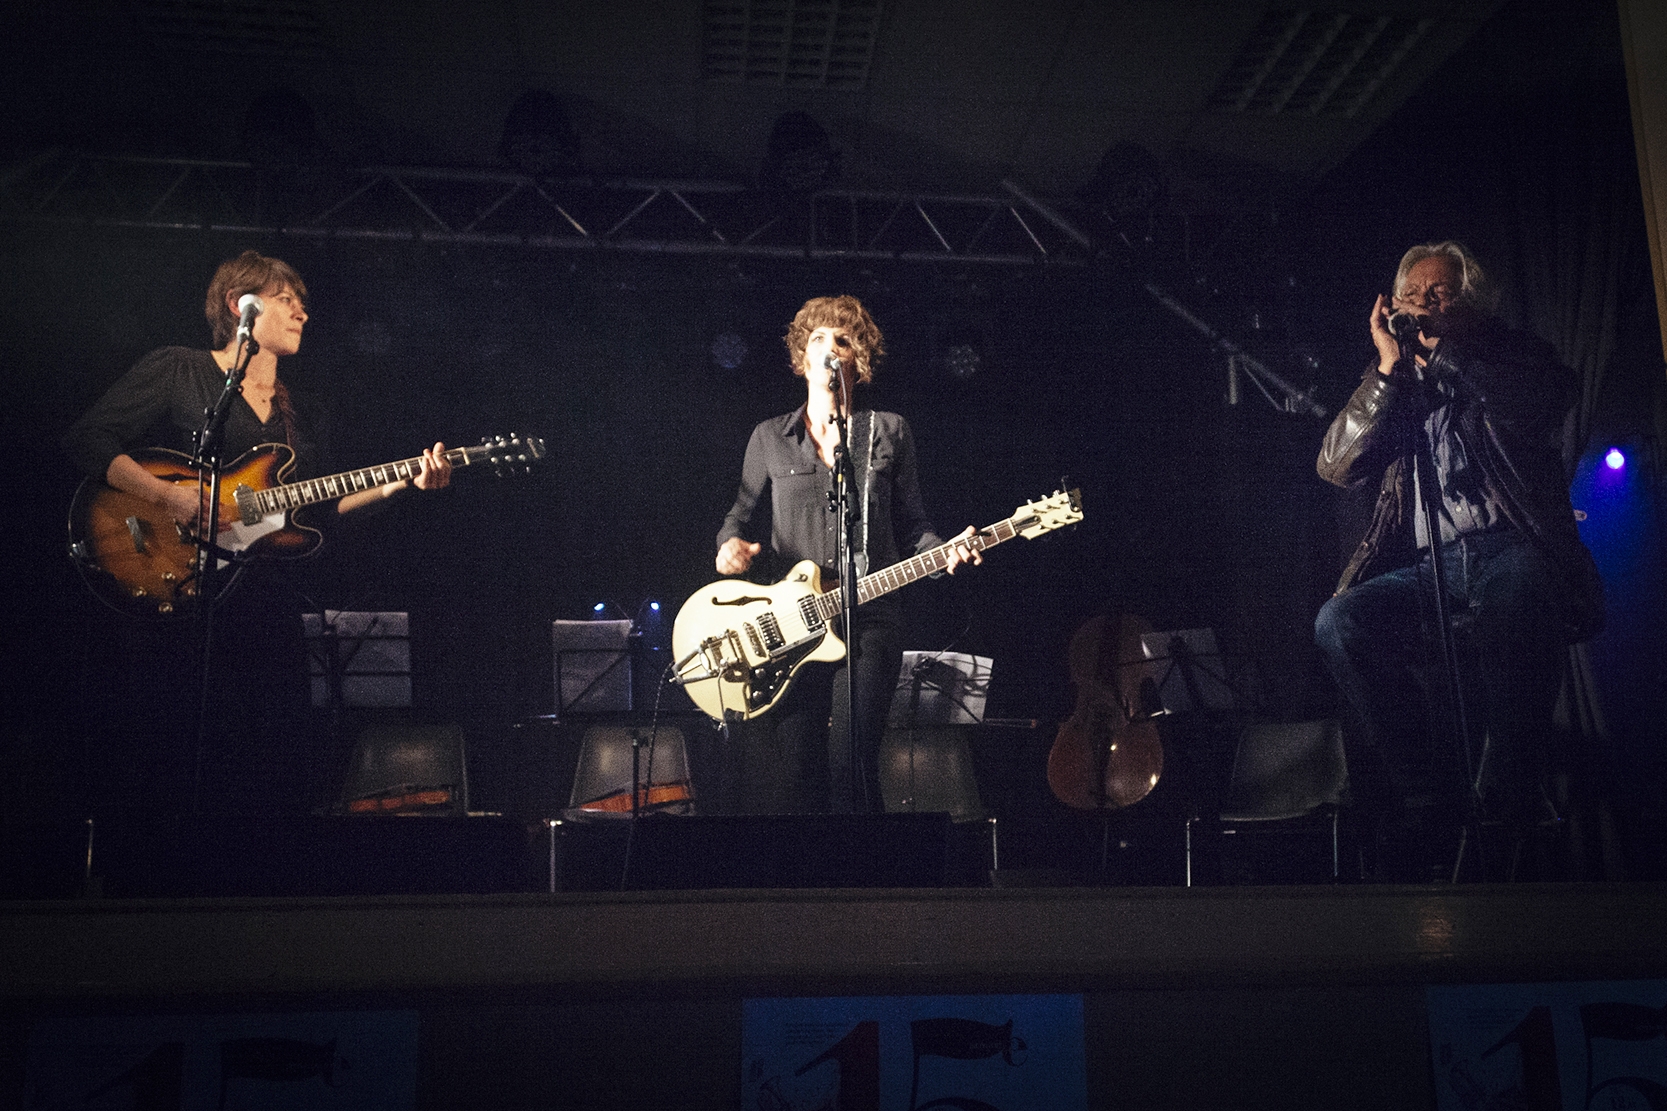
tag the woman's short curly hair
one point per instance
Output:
(846, 313)
(250, 272)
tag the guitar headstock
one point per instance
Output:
(512, 454)
(1055, 511)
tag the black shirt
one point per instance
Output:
(161, 401)
(782, 462)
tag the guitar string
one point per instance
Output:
(319, 489)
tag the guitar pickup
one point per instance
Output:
(771, 630)
(136, 529)
(247, 511)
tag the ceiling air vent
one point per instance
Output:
(819, 44)
(1299, 63)
(235, 26)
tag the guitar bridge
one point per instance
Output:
(724, 656)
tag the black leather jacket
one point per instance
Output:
(1514, 405)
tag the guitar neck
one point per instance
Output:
(899, 575)
(310, 491)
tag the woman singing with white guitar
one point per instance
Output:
(794, 759)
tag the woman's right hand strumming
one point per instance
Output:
(735, 557)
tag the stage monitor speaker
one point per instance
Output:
(789, 850)
(278, 856)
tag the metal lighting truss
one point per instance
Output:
(497, 208)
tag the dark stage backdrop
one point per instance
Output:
(1198, 514)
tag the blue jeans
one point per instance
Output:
(1378, 639)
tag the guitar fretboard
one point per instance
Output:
(901, 574)
(309, 491)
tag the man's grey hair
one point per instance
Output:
(1475, 289)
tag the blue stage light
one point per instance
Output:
(1613, 459)
(599, 607)
(655, 606)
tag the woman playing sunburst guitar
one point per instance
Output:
(145, 688)
(161, 401)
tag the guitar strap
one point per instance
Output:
(862, 432)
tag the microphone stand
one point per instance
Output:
(844, 492)
(207, 462)
(1428, 486)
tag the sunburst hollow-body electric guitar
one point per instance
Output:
(737, 645)
(137, 559)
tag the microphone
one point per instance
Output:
(833, 366)
(1404, 326)
(248, 307)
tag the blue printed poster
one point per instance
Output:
(910, 1053)
(1550, 1046)
(359, 1060)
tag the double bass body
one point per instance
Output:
(1106, 755)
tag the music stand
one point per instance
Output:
(1185, 669)
(1186, 679)
(593, 666)
(358, 659)
(940, 688)
(925, 761)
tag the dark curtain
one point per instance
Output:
(1571, 229)
(1567, 168)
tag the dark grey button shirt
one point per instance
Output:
(1465, 508)
(781, 465)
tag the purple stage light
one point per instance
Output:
(1613, 459)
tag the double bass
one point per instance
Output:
(1107, 755)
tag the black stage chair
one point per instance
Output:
(408, 769)
(1285, 776)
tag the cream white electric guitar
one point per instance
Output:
(737, 646)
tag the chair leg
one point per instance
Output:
(1335, 847)
(1188, 835)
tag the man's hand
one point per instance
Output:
(1389, 348)
(963, 552)
(736, 555)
